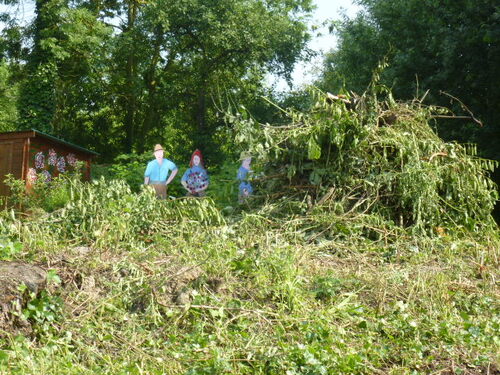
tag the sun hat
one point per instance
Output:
(158, 147)
(245, 155)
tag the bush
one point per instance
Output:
(108, 211)
(130, 168)
(48, 195)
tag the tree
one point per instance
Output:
(8, 96)
(451, 46)
(120, 75)
(37, 94)
(192, 50)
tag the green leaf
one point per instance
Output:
(53, 277)
(313, 149)
(363, 324)
(4, 357)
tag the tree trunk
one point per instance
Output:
(151, 116)
(201, 110)
(131, 71)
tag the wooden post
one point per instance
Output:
(26, 157)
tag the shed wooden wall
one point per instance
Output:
(11, 161)
(17, 157)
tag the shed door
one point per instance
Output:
(6, 150)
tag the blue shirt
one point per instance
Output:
(242, 174)
(157, 172)
(244, 185)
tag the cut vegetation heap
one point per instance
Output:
(383, 159)
(369, 249)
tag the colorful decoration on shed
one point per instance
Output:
(32, 176)
(52, 157)
(39, 160)
(61, 164)
(46, 175)
(49, 164)
(72, 160)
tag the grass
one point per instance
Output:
(374, 252)
(255, 294)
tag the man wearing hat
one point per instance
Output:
(158, 173)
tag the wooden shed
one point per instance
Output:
(29, 153)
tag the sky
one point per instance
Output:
(305, 72)
(23, 11)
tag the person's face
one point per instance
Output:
(246, 163)
(196, 160)
(158, 154)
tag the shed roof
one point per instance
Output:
(33, 133)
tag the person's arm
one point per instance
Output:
(184, 179)
(172, 175)
(147, 173)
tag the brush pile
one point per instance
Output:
(360, 155)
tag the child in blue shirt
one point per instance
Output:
(245, 188)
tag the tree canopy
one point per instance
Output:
(120, 75)
(451, 46)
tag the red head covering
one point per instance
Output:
(196, 153)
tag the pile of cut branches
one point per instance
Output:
(363, 155)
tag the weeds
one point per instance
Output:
(324, 281)
(9, 249)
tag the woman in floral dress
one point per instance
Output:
(195, 180)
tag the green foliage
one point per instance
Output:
(48, 195)
(36, 99)
(42, 310)
(223, 188)
(130, 168)
(327, 273)
(8, 98)
(268, 290)
(17, 189)
(107, 211)
(37, 102)
(326, 288)
(366, 156)
(149, 79)
(67, 47)
(9, 249)
(451, 47)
